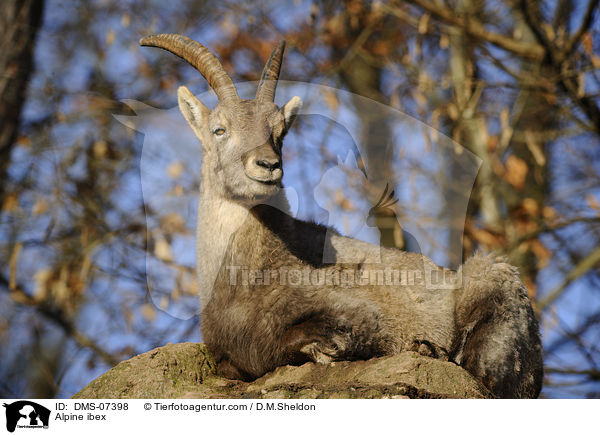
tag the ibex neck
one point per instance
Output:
(218, 220)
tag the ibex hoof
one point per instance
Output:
(320, 353)
(429, 349)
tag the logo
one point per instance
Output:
(26, 414)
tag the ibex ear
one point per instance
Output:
(290, 110)
(194, 112)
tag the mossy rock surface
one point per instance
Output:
(186, 370)
(167, 371)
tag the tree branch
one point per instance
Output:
(586, 22)
(476, 29)
(58, 317)
(545, 228)
(592, 374)
(580, 269)
(567, 338)
(558, 61)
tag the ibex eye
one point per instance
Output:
(219, 131)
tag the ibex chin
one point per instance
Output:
(256, 323)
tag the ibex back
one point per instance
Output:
(255, 323)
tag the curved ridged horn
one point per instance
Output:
(270, 75)
(199, 57)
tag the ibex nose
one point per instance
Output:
(270, 163)
(263, 164)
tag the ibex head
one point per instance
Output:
(241, 139)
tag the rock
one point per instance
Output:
(187, 371)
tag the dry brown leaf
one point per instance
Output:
(504, 118)
(587, 42)
(110, 37)
(100, 149)
(164, 303)
(125, 20)
(176, 292)
(516, 171)
(189, 284)
(23, 141)
(41, 206)
(173, 223)
(331, 100)
(484, 237)
(548, 213)
(542, 253)
(148, 312)
(342, 201)
(162, 250)
(444, 41)
(531, 286)
(176, 191)
(41, 278)
(580, 84)
(550, 34)
(592, 201)
(381, 48)
(452, 111)
(531, 207)
(175, 169)
(11, 202)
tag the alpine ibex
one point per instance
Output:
(291, 306)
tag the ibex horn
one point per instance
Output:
(200, 58)
(270, 75)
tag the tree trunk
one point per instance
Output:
(19, 24)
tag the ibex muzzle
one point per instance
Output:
(263, 164)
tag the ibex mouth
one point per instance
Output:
(272, 181)
(268, 176)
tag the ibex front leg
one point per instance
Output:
(313, 340)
